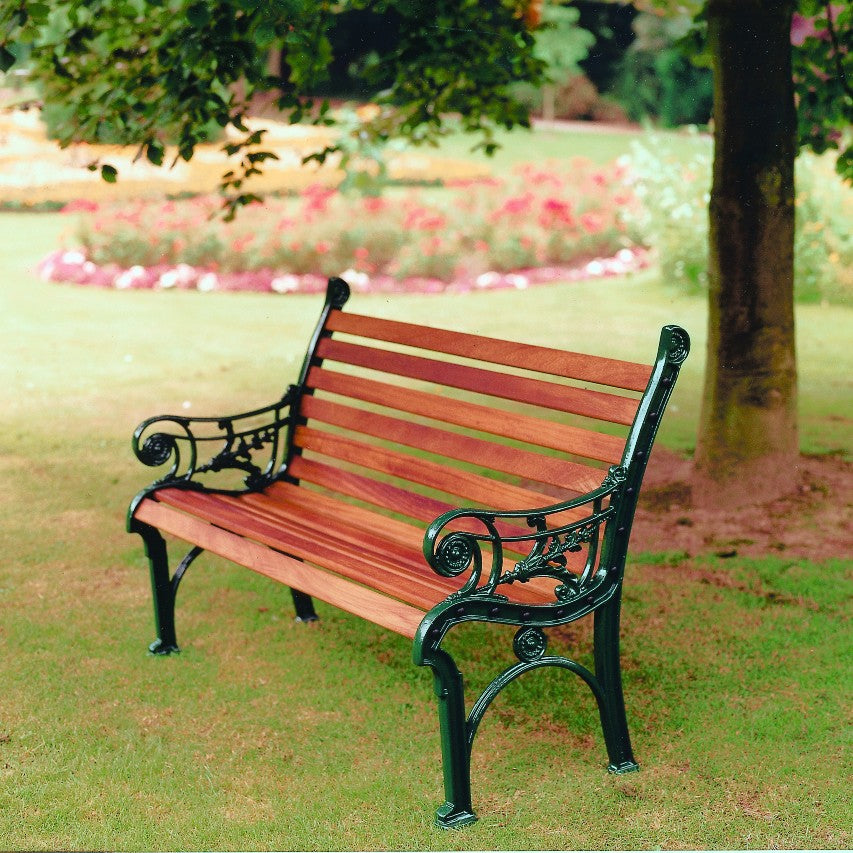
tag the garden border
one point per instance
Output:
(72, 267)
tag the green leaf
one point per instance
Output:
(7, 58)
(154, 151)
(198, 15)
(109, 173)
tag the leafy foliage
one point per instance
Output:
(158, 72)
(823, 72)
(821, 35)
(674, 191)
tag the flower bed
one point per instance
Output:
(483, 234)
(72, 266)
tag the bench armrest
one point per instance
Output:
(253, 443)
(451, 553)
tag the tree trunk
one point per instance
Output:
(748, 445)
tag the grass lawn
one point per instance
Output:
(264, 734)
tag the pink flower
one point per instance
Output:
(515, 206)
(321, 247)
(80, 205)
(317, 198)
(592, 222)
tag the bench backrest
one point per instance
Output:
(414, 420)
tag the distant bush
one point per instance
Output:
(672, 216)
(655, 80)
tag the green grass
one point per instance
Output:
(599, 145)
(264, 734)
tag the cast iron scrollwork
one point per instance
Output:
(452, 553)
(250, 442)
(679, 345)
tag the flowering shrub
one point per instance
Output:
(539, 217)
(672, 216)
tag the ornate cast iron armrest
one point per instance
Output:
(253, 443)
(452, 553)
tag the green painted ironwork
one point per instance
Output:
(597, 589)
(257, 445)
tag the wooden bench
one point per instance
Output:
(347, 490)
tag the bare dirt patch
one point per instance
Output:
(813, 522)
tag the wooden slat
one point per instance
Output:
(604, 371)
(493, 494)
(389, 575)
(506, 386)
(497, 457)
(361, 601)
(542, 433)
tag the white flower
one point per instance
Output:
(519, 282)
(487, 279)
(130, 277)
(359, 280)
(285, 283)
(186, 274)
(73, 258)
(626, 256)
(168, 279)
(595, 268)
(181, 274)
(208, 282)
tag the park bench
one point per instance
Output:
(347, 489)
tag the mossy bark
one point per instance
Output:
(748, 441)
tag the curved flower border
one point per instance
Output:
(73, 267)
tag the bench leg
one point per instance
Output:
(162, 588)
(455, 747)
(609, 675)
(304, 606)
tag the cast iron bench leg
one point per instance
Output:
(609, 674)
(304, 606)
(455, 748)
(162, 588)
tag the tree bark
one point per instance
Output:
(748, 445)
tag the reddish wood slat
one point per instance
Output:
(568, 439)
(604, 371)
(493, 494)
(521, 389)
(497, 457)
(361, 601)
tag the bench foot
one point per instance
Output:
(449, 817)
(624, 767)
(158, 647)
